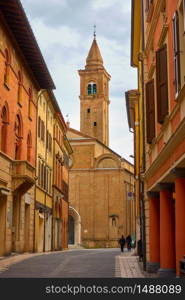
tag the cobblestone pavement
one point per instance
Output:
(94, 263)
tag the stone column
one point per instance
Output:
(154, 229)
(167, 232)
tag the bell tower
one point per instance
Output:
(94, 96)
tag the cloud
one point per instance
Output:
(64, 31)
(110, 16)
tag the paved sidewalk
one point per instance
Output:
(128, 266)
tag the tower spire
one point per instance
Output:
(94, 58)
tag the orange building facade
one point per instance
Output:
(164, 177)
(20, 82)
(34, 156)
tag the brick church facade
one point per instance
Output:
(100, 180)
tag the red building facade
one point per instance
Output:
(164, 178)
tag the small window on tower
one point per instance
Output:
(88, 110)
(95, 123)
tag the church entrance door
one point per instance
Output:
(71, 230)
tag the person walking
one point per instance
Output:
(122, 243)
(129, 241)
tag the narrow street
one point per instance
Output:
(85, 263)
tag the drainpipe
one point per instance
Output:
(34, 231)
(53, 190)
(143, 155)
(46, 156)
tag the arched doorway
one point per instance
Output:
(74, 225)
(71, 230)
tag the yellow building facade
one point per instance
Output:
(53, 157)
(61, 160)
(135, 108)
(44, 192)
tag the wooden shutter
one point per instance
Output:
(162, 83)
(176, 45)
(42, 175)
(50, 147)
(43, 131)
(150, 111)
(47, 140)
(184, 13)
(39, 129)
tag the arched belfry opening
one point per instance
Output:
(92, 88)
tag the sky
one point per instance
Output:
(64, 32)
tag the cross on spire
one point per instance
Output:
(94, 31)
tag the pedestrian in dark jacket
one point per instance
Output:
(129, 241)
(122, 243)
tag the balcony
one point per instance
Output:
(23, 175)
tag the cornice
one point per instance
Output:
(97, 169)
(169, 117)
(174, 140)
